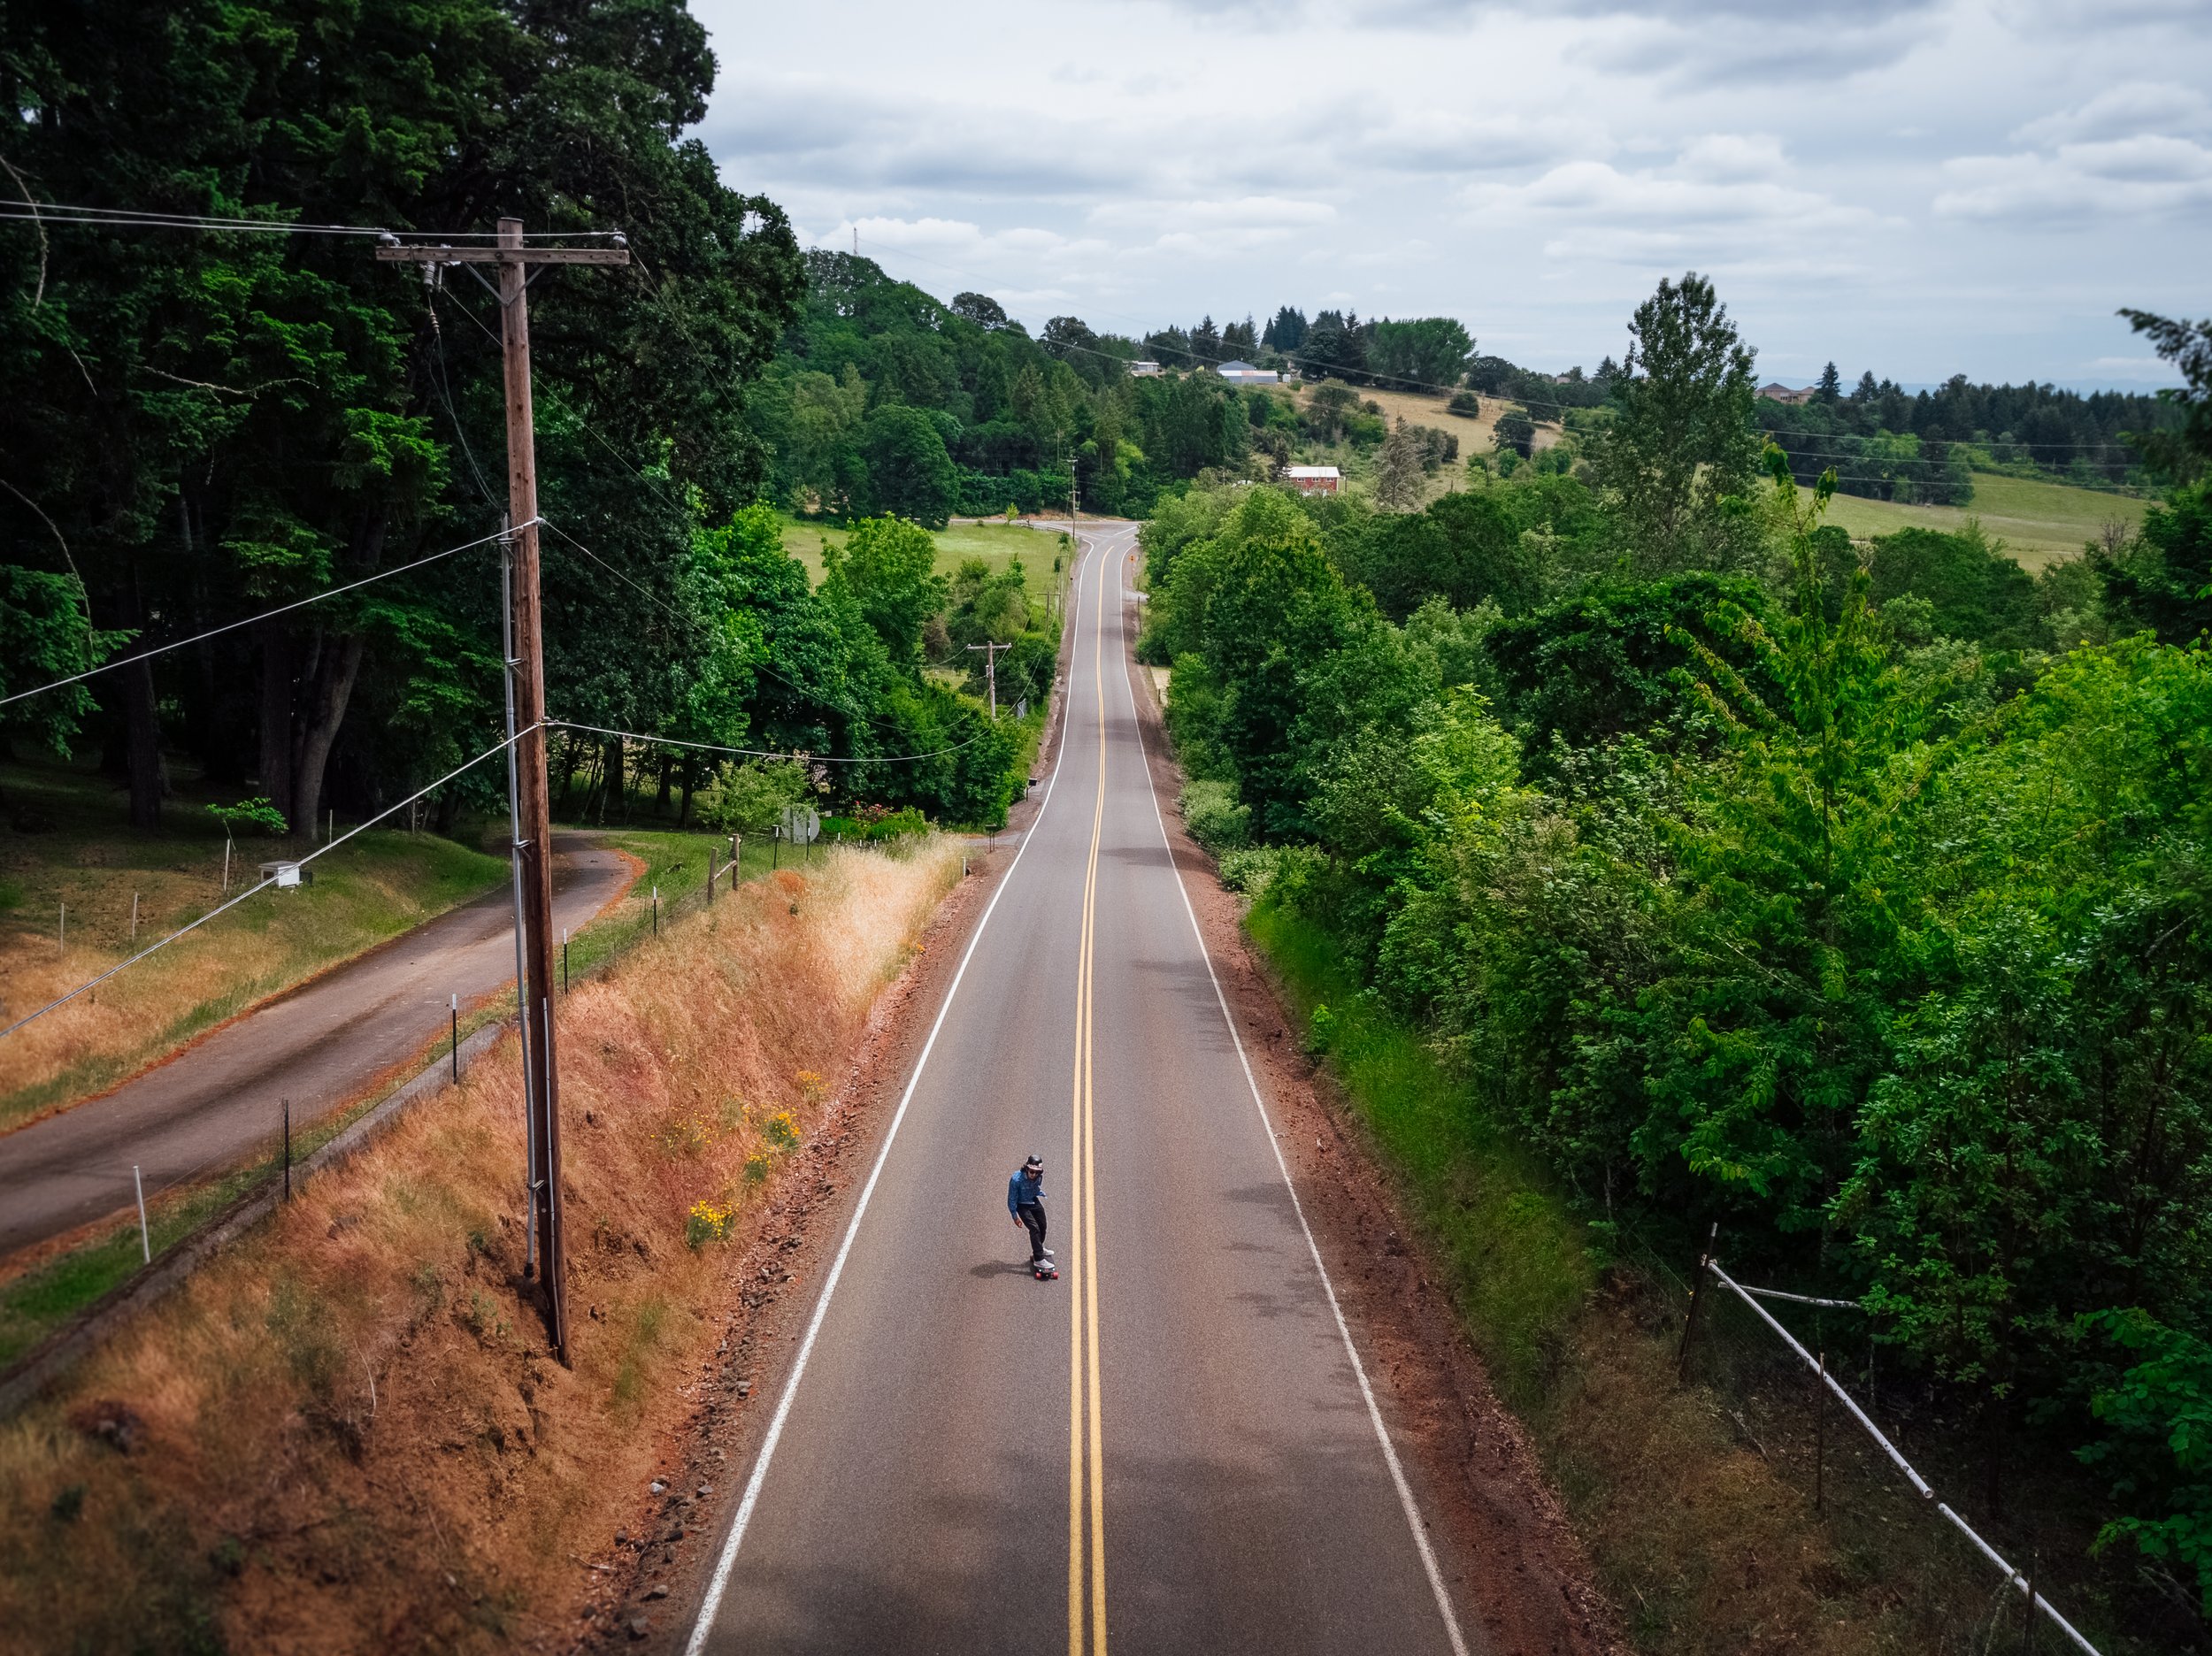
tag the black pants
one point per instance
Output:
(1032, 1216)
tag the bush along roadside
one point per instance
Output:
(1731, 898)
(1695, 1502)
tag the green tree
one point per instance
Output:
(271, 414)
(1251, 609)
(909, 472)
(1432, 351)
(1466, 548)
(1399, 470)
(2180, 455)
(1977, 592)
(2158, 1446)
(2159, 579)
(1681, 442)
(887, 563)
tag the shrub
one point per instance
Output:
(1257, 870)
(1215, 818)
(1466, 404)
(749, 798)
(251, 813)
(707, 1222)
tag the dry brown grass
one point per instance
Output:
(373, 888)
(353, 1438)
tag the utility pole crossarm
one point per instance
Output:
(415, 255)
(990, 668)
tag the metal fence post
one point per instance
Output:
(1697, 1298)
(1820, 1436)
(145, 1239)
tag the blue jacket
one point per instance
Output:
(1022, 1191)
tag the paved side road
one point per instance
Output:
(1172, 1446)
(221, 1099)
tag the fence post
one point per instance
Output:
(145, 1239)
(2027, 1641)
(288, 1149)
(709, 877)
(1820, 1436)
(1697, 1298)
(454, 1006)
(657, 911)
(563, 960)
(133, 919)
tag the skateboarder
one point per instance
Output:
(1026, 1200)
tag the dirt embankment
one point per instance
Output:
(348, 1435)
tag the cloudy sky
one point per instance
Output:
(1918, 187)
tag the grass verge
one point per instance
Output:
(345, 1432)
(1694, 1501)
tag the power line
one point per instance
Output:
(765, 753)
(815, 697)
(267, 615)
(125, 217)
(445, 394)
(151, 948)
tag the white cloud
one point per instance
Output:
(2139, 106)
(2132, 178)
(1857, 174)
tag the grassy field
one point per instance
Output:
(1475, 436)
(84, 857)
(997, 544)
(2036, 521)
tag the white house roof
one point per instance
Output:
(1236, 367)
(1311, 472)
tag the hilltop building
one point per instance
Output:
(1143, 369)
(1777, 392)
(1314, 480)
(1244, 373)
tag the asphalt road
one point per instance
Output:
(1172, 1446)
(221, 1099)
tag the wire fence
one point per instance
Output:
(168, 1222)
(1829, 1384)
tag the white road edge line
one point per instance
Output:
(1359, 1370)
(712, 1603)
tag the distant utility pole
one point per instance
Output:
(990, 669)
(531, 803)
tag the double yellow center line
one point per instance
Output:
(1084, 1420)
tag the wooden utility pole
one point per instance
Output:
(990, 669)
(532, 803)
